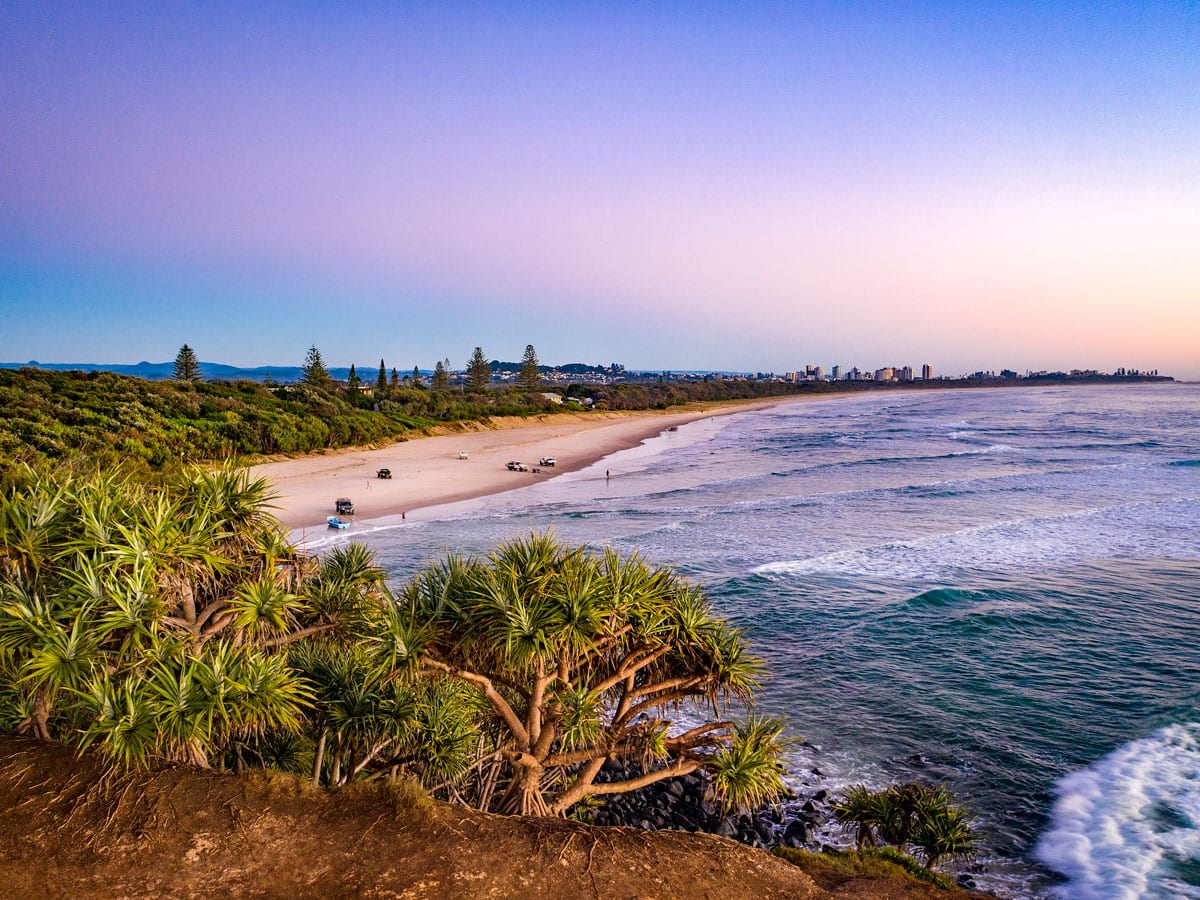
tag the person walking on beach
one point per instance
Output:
(607, 475)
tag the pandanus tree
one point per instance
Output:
(176, 622)
(152, 623)
(907, 815)
(582, 658)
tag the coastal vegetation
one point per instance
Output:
(873, 862)
(174, 622)
(103, 420)
(905, 816)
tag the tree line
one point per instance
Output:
(102, 419)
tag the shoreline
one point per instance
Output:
(427, 471)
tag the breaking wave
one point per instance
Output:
(1129, 825)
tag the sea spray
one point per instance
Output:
(1129, 825)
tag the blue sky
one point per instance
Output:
(726, 186)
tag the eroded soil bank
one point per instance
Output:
(69, 828)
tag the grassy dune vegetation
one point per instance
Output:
(119, 421)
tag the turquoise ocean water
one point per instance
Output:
(994, 589)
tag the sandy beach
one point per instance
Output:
(429, 471)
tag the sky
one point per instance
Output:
(729, 186)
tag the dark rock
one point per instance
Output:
(797, 833)
(727, 828)
(676, 788)
(821, 796)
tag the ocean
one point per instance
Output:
(994, 589)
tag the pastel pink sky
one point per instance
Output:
(700, 186)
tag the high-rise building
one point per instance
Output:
(836, 374)
(927, 372)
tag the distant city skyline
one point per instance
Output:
(707, 186)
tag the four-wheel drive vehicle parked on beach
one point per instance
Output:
(343, 506)
(384, 473)
(548, 461)
(517, 467)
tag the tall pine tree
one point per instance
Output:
(314, 372)
(187, 367)
(381, 383)
(528, 378)
(441, 376)
(479, 373)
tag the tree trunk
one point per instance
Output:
(320, 757)
(524, 795)
(38, 723)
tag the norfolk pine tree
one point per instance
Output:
(441, 377)
(187, 368)
(479, 373)
(314, 372)
(528, 378)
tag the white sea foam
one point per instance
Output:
(988, 450)
(1029, 543)
(1121, 825)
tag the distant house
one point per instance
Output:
(552, 397)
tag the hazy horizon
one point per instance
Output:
(704, 186)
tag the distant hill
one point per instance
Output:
(211, 371)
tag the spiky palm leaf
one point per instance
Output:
(264, 609)
(749, 772)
